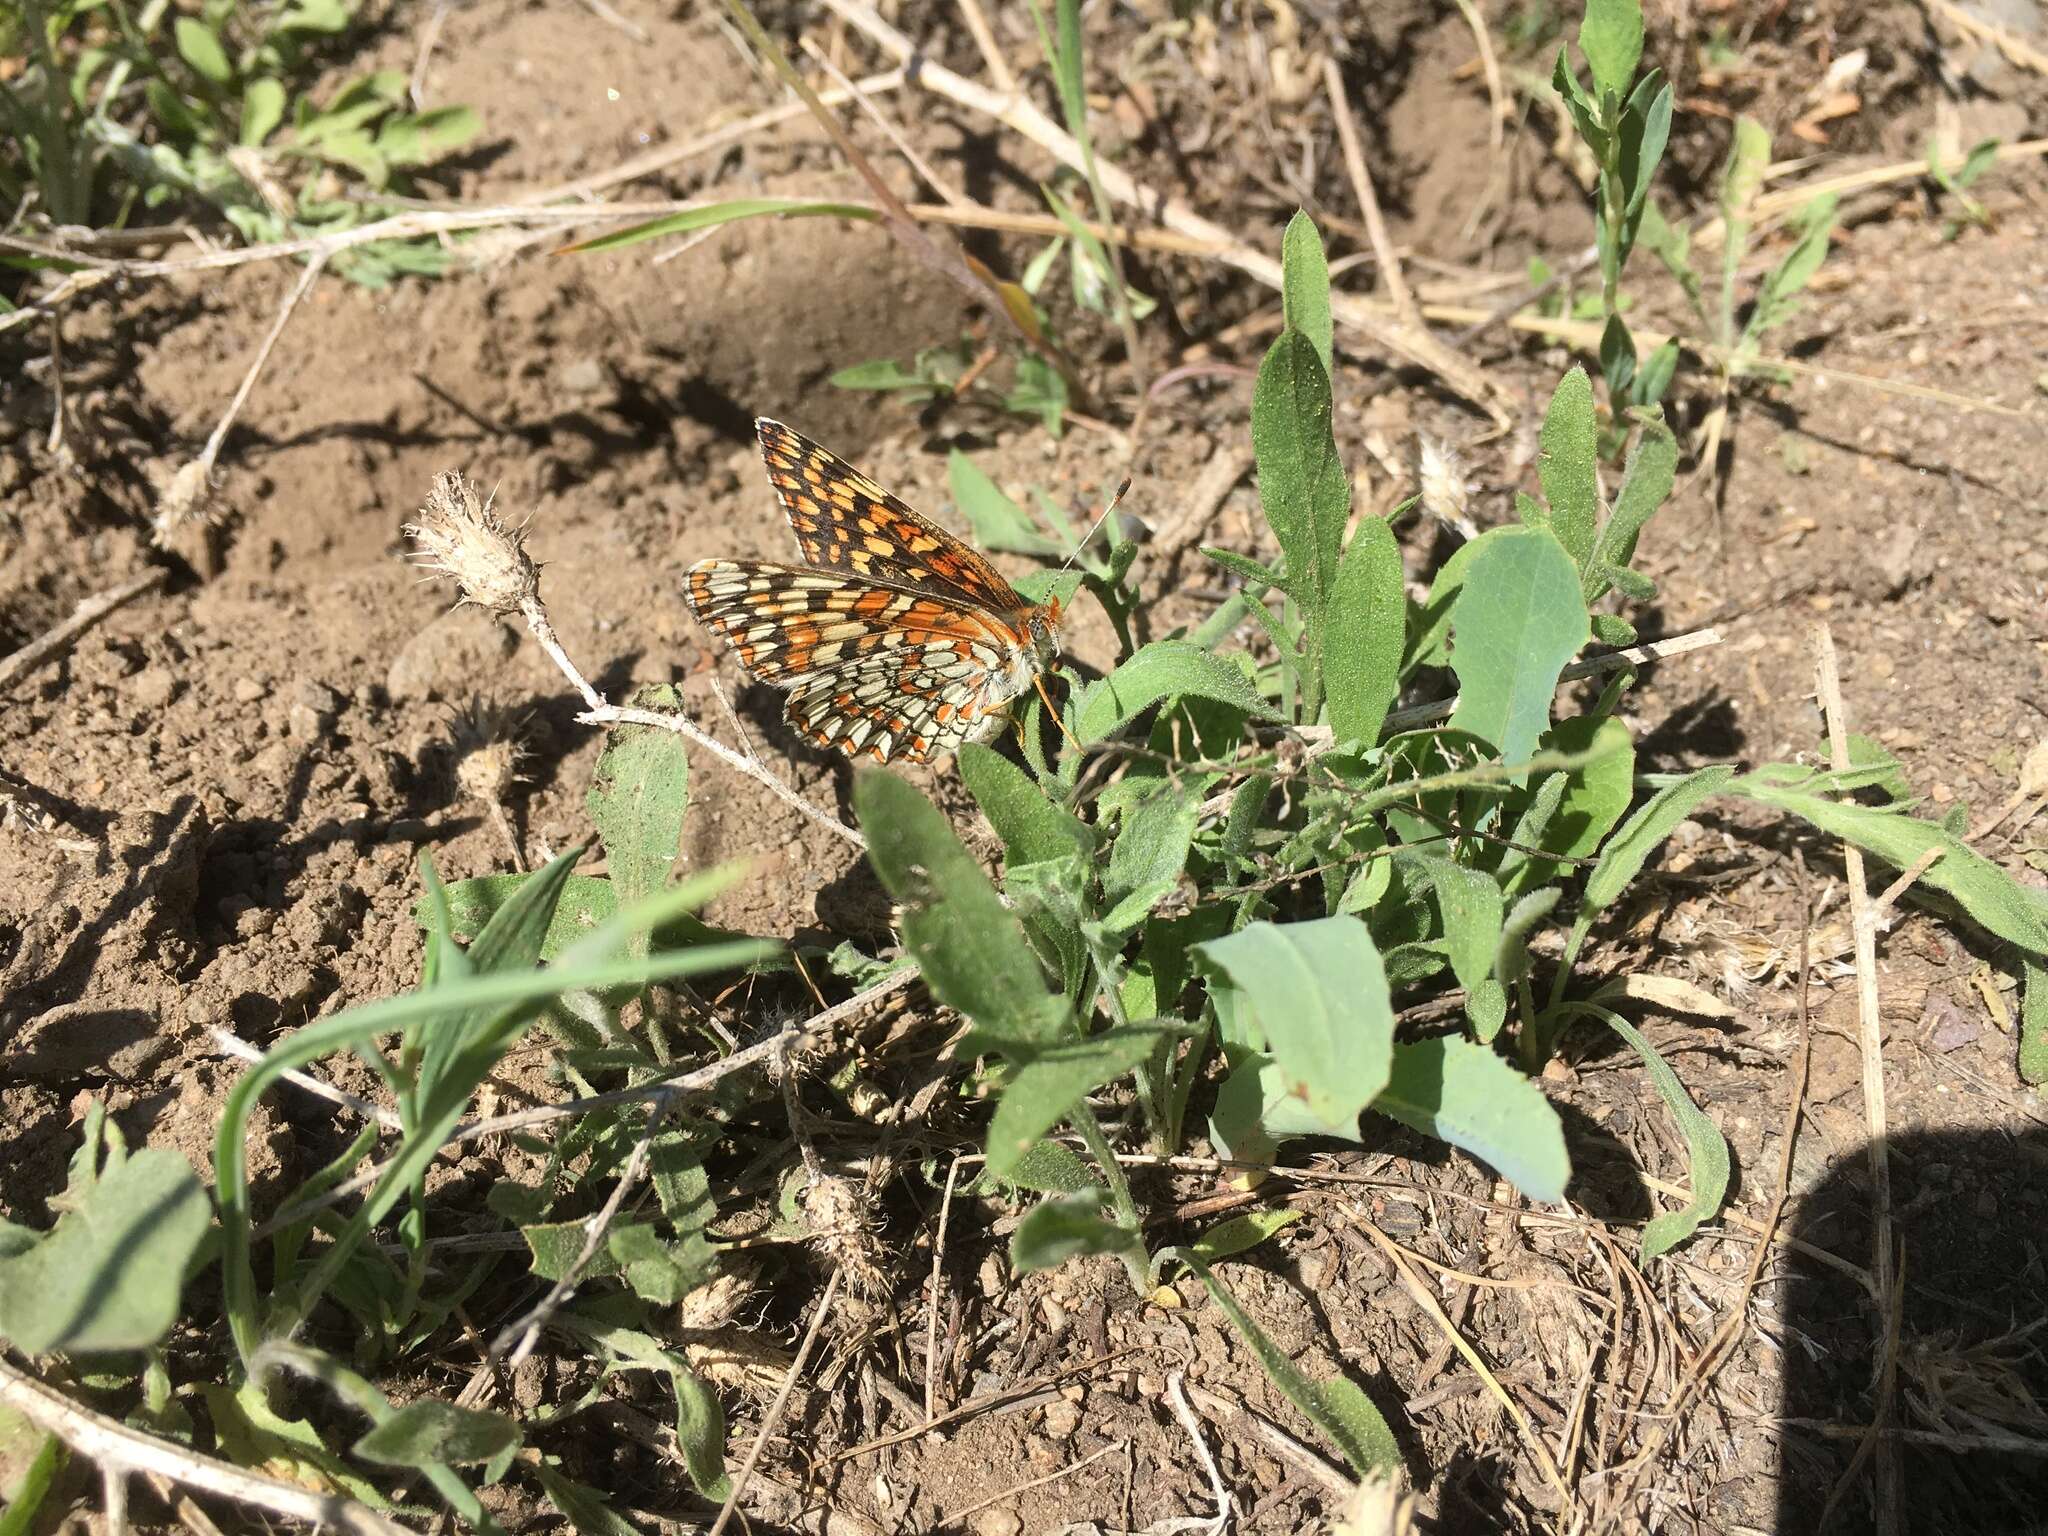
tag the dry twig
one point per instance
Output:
(53, 643)
(1023, 118)
(122, 1452)
(775, 1410)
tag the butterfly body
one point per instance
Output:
(895, 639)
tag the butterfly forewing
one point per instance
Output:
(846, 522)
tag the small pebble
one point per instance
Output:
(248, 690)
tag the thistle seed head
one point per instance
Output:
(459, 536)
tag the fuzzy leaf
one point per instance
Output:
(1314, 996)
(1367, 630)
(973, 954)
(1165, 669)
(1519, 619)
(1466, 1095)
(109, 1275)
(1305, 286)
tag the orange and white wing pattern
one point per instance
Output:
(894, 638)
(846, 522)
(869, 668)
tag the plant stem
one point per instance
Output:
(1112, 1171)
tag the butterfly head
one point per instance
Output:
(1043, 626)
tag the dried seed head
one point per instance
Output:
(841, 1221)
(490, 759)
(186, 502)
(1444, 492)
(459, 536)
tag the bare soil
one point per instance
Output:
(220, 795)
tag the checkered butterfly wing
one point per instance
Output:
(869, 668)
(846, 522)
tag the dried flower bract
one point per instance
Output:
(459, 536)
(1445, 495)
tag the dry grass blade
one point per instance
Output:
(1426, 1300)
(1870, 1037)
(1023, 118)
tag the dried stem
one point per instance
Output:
(53, 643)
(123, 1452)
(1870, 1035)
(775, 1410)
(519, 1337)
(186, 495)
(598, 712)
(817, 1028)
(1022, 117)
(1368, 201)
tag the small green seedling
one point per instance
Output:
(1982, 156)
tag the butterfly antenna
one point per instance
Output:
(1101, 518)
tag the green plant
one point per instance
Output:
(568, 951)
(117, 105)
(1738, 337)
(1625, 122)
(1279, 862)
(1982, 156)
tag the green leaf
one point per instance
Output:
(1585, 112)
(1368, 629)
(700, 1431)
(1305, 286)
(1038, 390)
(1466, 1095)
(884, 373)
(973, 954)
(1568, 464)
(1593, 798)
(1338, 1407)
(1150, 851)
(1302, 484)
(1037, 1095)
(1314, 996)
(1472, 909)
(1776, 296)
(997, 521)
(421, 138)
(2034, 1023)
(658, 1271)
(588, 1512)
(428, 1432)
(1611, 37)
(1165, 669)
(1705, 1146)
(263, 104)
(1645, 485)
(1053, 1169)
(720, 213)
(636, 800)
(1994, 900)
(1067, 1227)
(1031, 827)
(108, 1276)
(1067, 59)
(1519, 619)
(1229, 1238)
(1630, 848)
(199, 46)
(1431, 646)
(30, 1461)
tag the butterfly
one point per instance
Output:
(894, 638)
